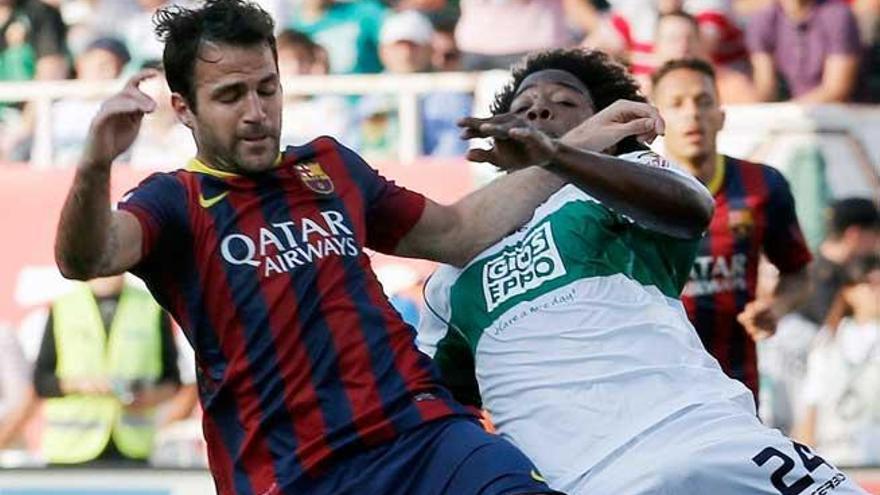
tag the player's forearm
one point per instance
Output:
(791, 291)
(655, 198)
(490, 213)
(84, 228)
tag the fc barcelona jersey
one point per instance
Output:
(300, 357)
(754, 214)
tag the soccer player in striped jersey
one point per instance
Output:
(569, 331)
(754, 215)
(310, 382)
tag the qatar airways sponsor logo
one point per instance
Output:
(716, 274)
(281, 247)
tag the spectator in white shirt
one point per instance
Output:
(842, 406)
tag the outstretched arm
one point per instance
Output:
(456, 233)
(658, 198)
(92, 240)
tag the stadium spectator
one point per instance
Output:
(809, 47)
(349, 31)
(629, 31)
(102, 60)
(15, 388)
(107, 359)
(679, 36)
(405, 48)
(308, 117)
(842, 407)
(492, 34)
(754, 214)
(137, 30)
(853, 231)
(31, 41)
(445, 55)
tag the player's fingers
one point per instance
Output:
(135, 80)
(637, 127)
(144, 102)
(125, 105)
(626, 110)
(482, 156)
(476, 122)
(529, 136)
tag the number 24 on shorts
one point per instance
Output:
(809, 460)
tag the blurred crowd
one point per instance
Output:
(820, 373)
(762, 50)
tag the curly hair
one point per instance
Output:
(606, 79)
(234, 22)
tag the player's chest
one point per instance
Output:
(738, 225)
(277, 230)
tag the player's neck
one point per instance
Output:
(703, 168)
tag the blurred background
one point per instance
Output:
(391, 79)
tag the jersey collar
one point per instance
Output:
(196, 165)
(718, 177)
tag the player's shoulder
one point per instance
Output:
(328, 151)
(161, 183)
(769, 176)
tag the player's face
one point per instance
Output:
(553, 108)
(237, 122)
(688, 102)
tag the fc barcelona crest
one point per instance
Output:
(314, 177)
(741, 222)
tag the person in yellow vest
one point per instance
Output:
(107, 359)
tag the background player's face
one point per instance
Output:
(688, 102)
(553, 108)
(237, 122)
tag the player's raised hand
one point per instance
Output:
(621, 119)
(115, 127)
(516, 143)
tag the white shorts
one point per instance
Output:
(716, 449)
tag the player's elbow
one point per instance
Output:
(704, 211)
(70, 267)
(699, 211)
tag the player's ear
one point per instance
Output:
(182, 109)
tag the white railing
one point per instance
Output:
(405, 88)
(849, 132)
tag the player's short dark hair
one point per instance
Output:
(606, 79)
(233, 22)
(852, 212)
(694, 64)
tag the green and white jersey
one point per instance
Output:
(573, 331)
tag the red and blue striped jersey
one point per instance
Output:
(301, 359)
(754, 214)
